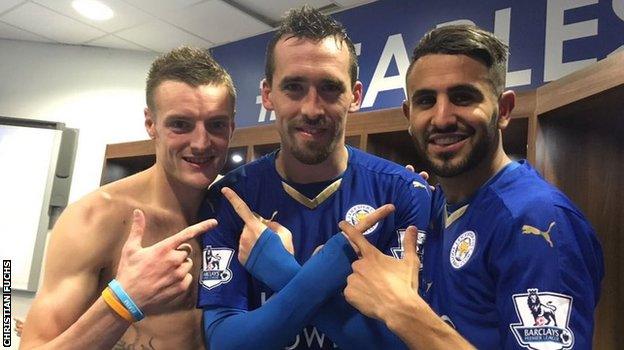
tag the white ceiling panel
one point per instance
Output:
(9, 32)
(275, 9)
(162, 8)
(351, 3)
(8, 4)
(217, 22)
(38, 19)
(161, 37)
(115, 42)
(125, 15)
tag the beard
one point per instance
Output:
(311, 152)
(444, 166)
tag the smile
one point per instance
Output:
(198, 160)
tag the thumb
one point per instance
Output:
(409, 243)
(137, 230)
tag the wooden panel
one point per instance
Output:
(129, 149)
(582, 153)
(601, 76)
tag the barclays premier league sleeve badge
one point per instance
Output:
(216, 266)
(544, 320)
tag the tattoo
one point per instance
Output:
(136, 343)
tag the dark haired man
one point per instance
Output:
(501, 235)
(313, 181)
(123, 230)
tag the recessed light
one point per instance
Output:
(236, 158)
(93, 9)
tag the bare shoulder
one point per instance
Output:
(96, 226)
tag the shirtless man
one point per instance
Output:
(190, 117)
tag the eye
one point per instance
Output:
(332, 88)
(179, 125)
(292, 88)
(425, 101)
(462, 98)
(219, 125)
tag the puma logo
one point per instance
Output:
(530, 230)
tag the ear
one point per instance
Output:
(358, 90)
(506, 104)
(150, 123)
(266, 95)
(406, 110)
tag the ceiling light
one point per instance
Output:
(93, 9)
(236, 158)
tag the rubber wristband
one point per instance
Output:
(126, 300)
(114, 304)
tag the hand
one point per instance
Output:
(254, 226)
(158, 274)
(19, 326)
(380, 284)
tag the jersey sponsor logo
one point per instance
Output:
(531, 230)
(357, 213)
(462, 249)
(216, 266)
(544, 319)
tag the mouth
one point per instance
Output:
(311, 131)
(447, 142)
(199, 161)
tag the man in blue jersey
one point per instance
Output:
(261, 296)
(509, 262)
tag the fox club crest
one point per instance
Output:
(357, 213)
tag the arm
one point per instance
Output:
(276, 322)
(272, 264)
(559, 279)
(68, 311)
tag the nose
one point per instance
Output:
(201, 140)
(312, 104)
(443, 114)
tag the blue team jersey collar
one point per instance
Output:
(456, 210)
(313, 194)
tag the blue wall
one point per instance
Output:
(548, 39)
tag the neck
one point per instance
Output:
(293, 170)
(173, 196)
(459, 188)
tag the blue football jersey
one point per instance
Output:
(517, 267)
(368, 183)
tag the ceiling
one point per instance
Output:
(151, 25)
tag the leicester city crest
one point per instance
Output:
(544, 318)
(216, 266)
(462, 249)
(357, 213)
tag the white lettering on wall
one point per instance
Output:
(395, 47)
(502, 28)
(557, 32)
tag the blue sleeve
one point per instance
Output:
(548, 266)
(276, 322)
(270, 263)
(223, 280)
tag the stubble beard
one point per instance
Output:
(312, 152)
(445, 167)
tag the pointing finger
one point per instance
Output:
(371, 219)
(409, 243)
(356, 237)
(240, 207)
(137, 230)
(188, 233)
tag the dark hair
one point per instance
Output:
(471, 41)
(309, 23)
(189, 65)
